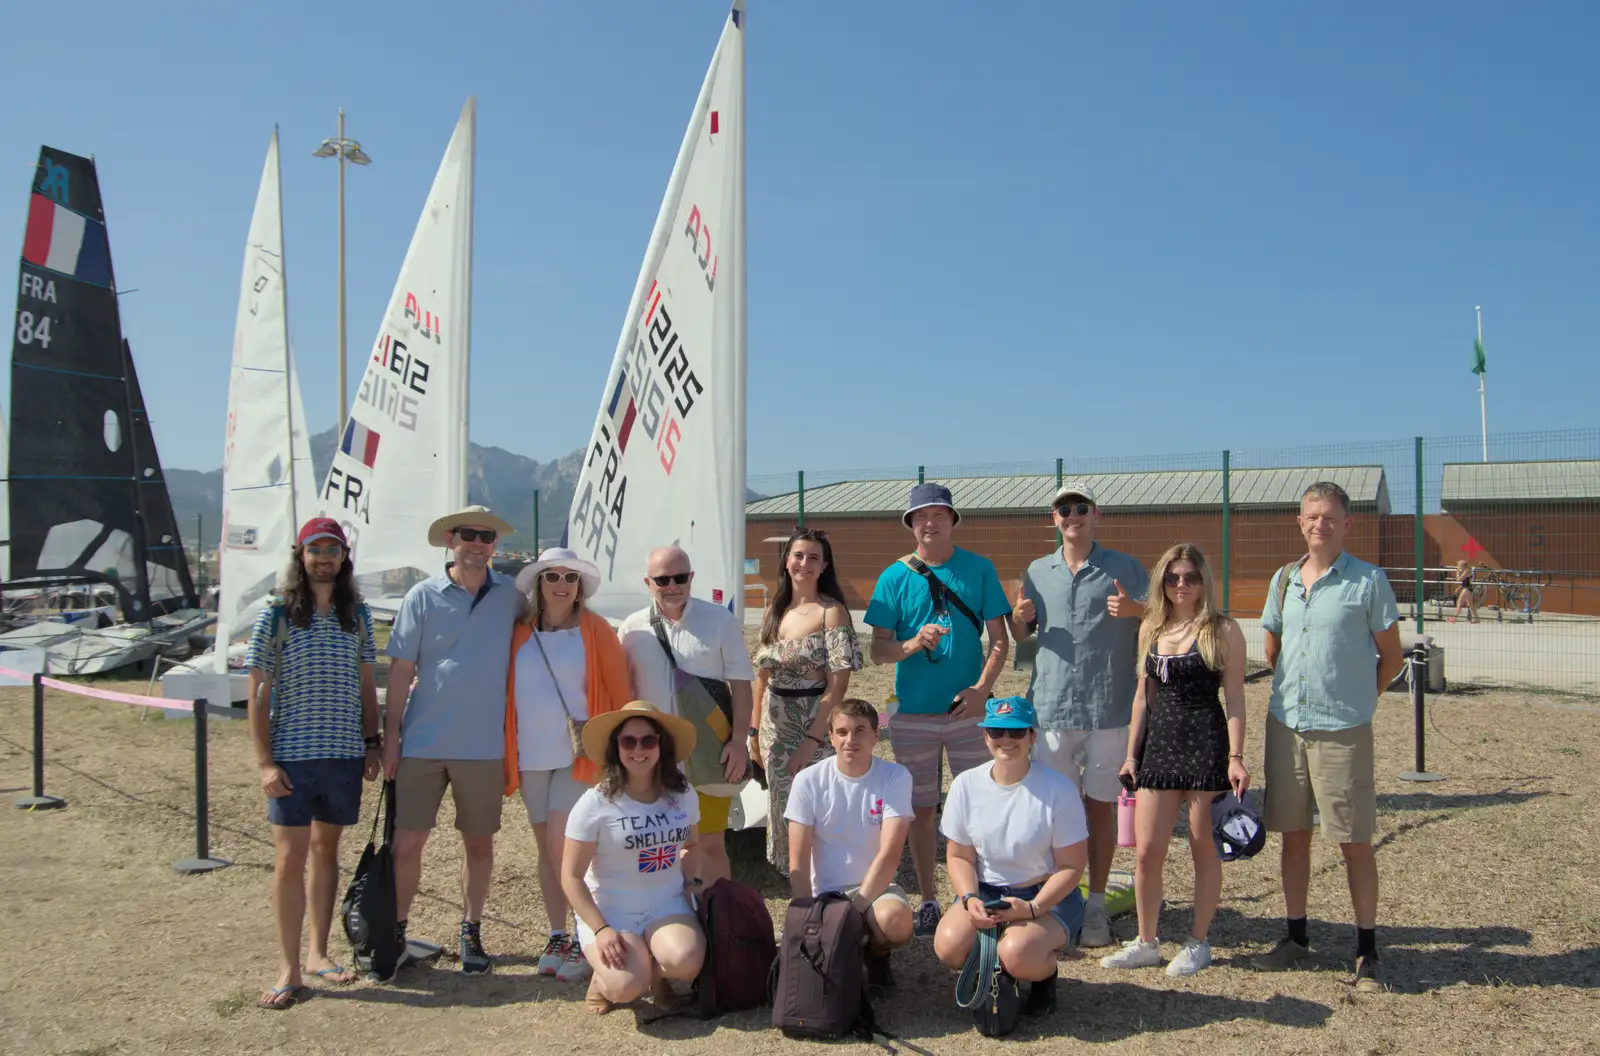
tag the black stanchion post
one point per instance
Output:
(1419, 686)
(202, 862)
(38, 801)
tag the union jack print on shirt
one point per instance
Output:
(658, 858)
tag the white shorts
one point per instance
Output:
(1090, 759)
(626, 916)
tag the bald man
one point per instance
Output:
(706, 641)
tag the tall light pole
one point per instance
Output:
(345, 150)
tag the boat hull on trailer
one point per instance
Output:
(76, 649)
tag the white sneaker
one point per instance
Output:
(1096, 930)
(1195, 955)
(1135, 953)
(555, 952)
(575, 967)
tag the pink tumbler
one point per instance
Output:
(1125, 836)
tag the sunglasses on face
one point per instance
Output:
(1067, 509)
(552, 576)
(679, 578)
(1172, 579)
(1002, 733)
(325, 551)
(476, 535)
(628, 742)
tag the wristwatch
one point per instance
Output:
(375, 741)
(963, 898)
(755, 731)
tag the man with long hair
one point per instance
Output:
(1084, 602)
(314, 727)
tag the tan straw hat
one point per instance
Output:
(473, 516)
(597, 731)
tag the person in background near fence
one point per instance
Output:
(314, 726)
(1182, 746)
(1084, 601)
(632, 858)
(807, 650)
(567, 666)
(452, 636)
(847, 820)
(928, 613)
(707, 641)
(1465, 598)
(1333, 642)
(1016, 833)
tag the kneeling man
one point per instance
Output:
(848, 819)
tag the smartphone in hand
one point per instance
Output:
(1127, 783)
(998, 905)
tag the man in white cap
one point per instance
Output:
(1084, 601)
(452, 636)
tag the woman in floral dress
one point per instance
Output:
(807, 650)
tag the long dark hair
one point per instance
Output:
(827, 583)
(300, 604)
(614, 776)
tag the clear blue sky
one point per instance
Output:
(977, 232)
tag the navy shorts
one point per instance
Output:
(325, 790)
(1069, 911)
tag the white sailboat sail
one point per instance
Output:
(666, 463)
(402, 459)
(267, 485)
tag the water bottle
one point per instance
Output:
(1125, 837)
(946, 640)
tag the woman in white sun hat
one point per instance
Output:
(567, 666)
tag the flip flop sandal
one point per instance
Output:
(277, 998)
(328, 974)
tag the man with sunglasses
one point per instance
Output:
(452, 637)
(1084, 601)
(707, 642)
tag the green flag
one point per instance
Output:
(1479, 365)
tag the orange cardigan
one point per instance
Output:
(605, 672)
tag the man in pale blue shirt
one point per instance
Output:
(1333, 641)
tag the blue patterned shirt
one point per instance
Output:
(316, 697)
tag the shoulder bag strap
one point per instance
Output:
(659, 627)
(553, 680)
(940, 591)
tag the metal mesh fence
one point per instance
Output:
(1522, 523)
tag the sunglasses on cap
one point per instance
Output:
(1002, 733)
(1172, 579)
(628, 742)
(331, 550)
(679, 578)
(476, 535)
(552, 576)
(1067, 509)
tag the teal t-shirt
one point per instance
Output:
(902, 603)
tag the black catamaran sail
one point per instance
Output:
(89, 503)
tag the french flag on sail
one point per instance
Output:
(67, 242)
(360, 443)
(621, 410)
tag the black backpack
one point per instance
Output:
(370, 912)
(740, 950)
(818, 984)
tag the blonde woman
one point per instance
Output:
(1184, 745)
(1465, 596)
(567, 666)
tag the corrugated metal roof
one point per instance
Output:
(1159, 489)
(1554, 481)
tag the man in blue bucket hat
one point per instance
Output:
(929, 614)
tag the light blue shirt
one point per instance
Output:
(901, 602)
(1327, 674)
(461, 645)
(1086, 670)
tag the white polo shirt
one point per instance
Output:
(708, 641)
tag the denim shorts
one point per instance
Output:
(1069, 911)
(325, 790)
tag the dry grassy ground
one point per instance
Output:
(1491, 914)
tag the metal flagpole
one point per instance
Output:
(1483, 406)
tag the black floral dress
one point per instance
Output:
(1186, 731)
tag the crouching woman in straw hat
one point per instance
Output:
(632, 857)
(567, 666)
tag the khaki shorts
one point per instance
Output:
(476, 785)
(1329, 771)
(547, 792)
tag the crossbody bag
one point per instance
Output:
(574, 725)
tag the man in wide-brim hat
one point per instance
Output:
(452, 636)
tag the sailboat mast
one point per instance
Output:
(288, 354)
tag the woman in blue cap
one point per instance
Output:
(1018, 843)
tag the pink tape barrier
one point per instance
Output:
(170, 704)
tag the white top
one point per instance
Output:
(542, 739)
(846, 817)
(635, 865)
(708, 641)
(1016, 827)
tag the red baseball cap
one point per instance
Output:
(321, 528)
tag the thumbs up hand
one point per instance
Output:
(1023, 608)
(1120, 606)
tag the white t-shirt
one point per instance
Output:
(1015, 828)
(635, 866)
(846, 816)
(708, 641)
(542, 739)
